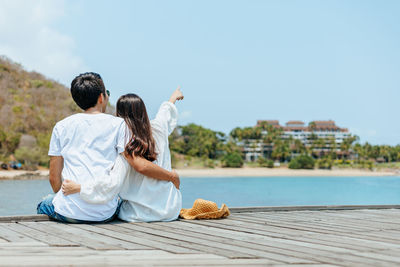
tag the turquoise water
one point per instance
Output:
(21, 197)
(293, 191)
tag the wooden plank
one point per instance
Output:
(305, 226)
(24, 218)
(375, 218)
(317, 208)
(306, 250)
(346, 242)
(255, 250)
(296, 234)
(12, 236)
(238, 226)
(199, 245)
(256, 229)
(328, 218)
(394, 212)
(354, 219)
(117, 260)
(77, 236)
(51, 239)
(83, 231)
(343, 242)
(110, 230)
(22, 244)
(316, 224)
(311, 238)
(391, 208)
(381, 236)
(332, 223)
(250, 227)
(390, 252)
(37, 251)
(93, 257)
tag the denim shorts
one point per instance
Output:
(46, 207)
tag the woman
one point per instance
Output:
(144, 199)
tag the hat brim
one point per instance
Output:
(221, 213)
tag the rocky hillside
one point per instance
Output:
(30, 105)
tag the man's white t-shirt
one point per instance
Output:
(89, 144)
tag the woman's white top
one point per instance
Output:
(145, 199)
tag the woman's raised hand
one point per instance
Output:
(176, 95)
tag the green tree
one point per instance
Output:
(298, 147)
(263, 162)
(324, 163)
(281, 150)
(302, 162)
(232, 160)
(195, 140)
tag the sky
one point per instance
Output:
(236, 61)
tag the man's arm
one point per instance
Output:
(56, 166)
(152, 170)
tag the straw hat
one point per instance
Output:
(204, 209)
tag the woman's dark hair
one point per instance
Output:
(86, 89)
(131, 108)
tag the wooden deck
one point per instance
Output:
(306, 237)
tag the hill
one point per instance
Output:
(30, 105)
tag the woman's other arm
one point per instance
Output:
(166, 118)
(162, 126)
(104, 188)
(152, 170)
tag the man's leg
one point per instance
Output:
(46, 206)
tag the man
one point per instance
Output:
(84, 147)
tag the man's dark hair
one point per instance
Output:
(86, 89)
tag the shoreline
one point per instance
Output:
(281, 172)
(24, 175)
(228, 172)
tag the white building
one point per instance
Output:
(327, 131)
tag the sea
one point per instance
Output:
(20, 197)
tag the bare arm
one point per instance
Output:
(56, 166)
(176, 95)
(152, 170)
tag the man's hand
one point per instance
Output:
(69, 187)
(175, 179)
(176, 95)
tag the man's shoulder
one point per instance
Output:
(68, 120)
(75, 118)
(117, 120)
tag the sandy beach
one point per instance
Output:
(229, 172)
(23, 175)
(280, 172)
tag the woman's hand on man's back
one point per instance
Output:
(69, 187)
